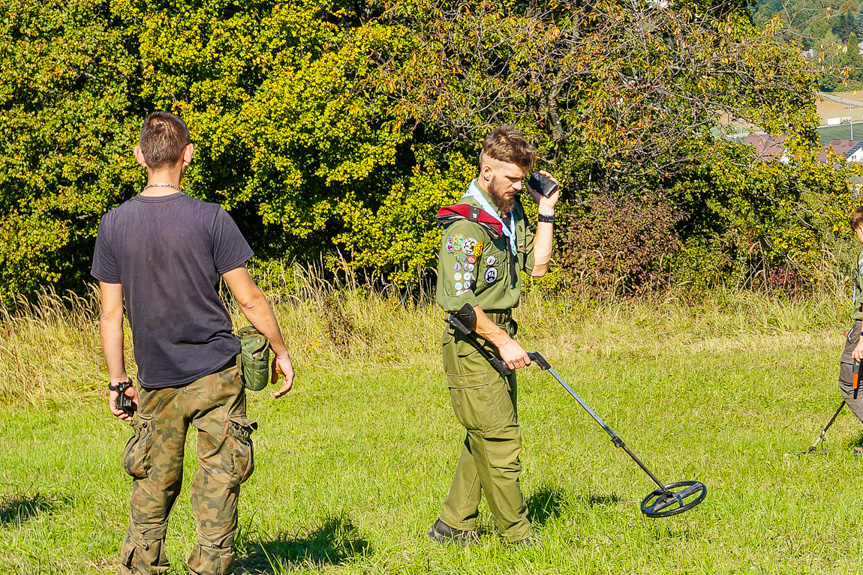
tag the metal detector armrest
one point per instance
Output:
(498, 364)
(538, 360)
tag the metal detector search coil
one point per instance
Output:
(668, 500)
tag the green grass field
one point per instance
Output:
(351, 468)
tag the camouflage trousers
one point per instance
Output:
(216, 406)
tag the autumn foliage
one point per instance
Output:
(335, 129)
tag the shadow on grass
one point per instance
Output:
(332, 544)
(545, 504)
(19, 508)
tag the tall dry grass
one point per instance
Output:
(50, 350)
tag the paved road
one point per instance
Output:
(842, 100)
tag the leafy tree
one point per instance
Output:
(844, 25)
(66, 80)
(616, 95)
(334, 128)
(860, 20)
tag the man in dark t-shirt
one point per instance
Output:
(162, 254)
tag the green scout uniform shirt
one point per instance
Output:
(857, 314)
(476, 269)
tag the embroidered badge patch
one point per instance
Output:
(449, 246)
(471, 260)
(477, 249)
(466, 286)
(467, 276)
(457, 277)
(490, 261)
(458, 286)
(468, 267)
(468, 244)
(490, 275)
(456, 266)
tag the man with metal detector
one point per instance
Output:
(486, 244)
(161, 256)
(853, 352)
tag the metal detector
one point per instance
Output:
(855, 383)
(665, 501)
(814, 447)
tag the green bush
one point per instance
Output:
(333, 131)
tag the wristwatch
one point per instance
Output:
(545, 218)
(121, 386)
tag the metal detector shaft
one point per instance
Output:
(826, 427)
(617, 441)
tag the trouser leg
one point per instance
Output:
(496, 456)
(154, 458)
(462, 502)
(485, 404)
(225, 460)
(854, 398)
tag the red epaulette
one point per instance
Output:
(449, 214)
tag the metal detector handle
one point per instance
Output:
(498, 364)
(856, 379)
(538, 360)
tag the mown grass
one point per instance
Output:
(353, 465)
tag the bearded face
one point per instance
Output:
(501, 180)
(502, 193)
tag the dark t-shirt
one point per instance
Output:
(168, 253)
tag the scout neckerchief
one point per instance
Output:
(474, 192)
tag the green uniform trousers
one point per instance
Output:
(485, 404)
(216, 406)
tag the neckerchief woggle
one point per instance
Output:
(474, 192)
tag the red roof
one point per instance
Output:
(839, 146)
(767, 147)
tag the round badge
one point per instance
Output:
(456, 266)
(458, 286)
(490, 275)
(468, 245)
(467, 276)
(471, 260)
(468, 267)
(489, 261)
(466, 285)
(457, 277)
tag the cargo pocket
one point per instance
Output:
(472, 402)
(127, 553)
(240, 430)
(136, 455)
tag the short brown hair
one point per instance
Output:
(163, 138)
(857, 218)
(506, 144)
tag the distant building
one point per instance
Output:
(768, 147)
(851, 150)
